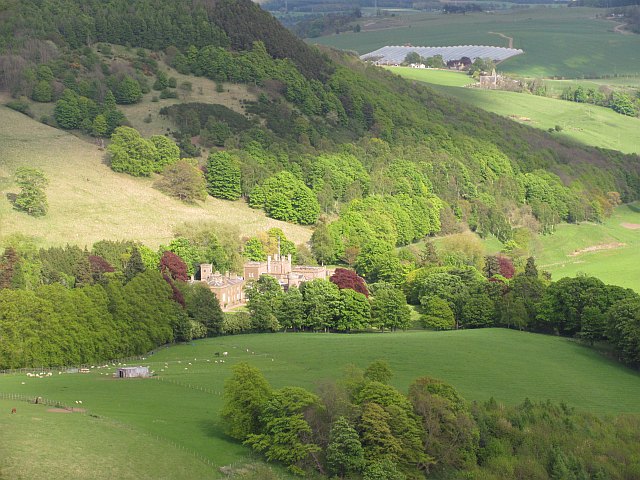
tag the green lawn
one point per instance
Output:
(563, 42)
(181, 406)
(90, 202)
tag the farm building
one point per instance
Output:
(395, 55)
(132, 372)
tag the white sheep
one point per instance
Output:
(224, 354)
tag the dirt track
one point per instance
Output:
(510, 39)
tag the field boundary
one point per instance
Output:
(59, 368)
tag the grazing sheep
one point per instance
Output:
(224, 354)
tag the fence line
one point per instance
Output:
(186, 385)
(10, 371)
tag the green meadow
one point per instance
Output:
(584, 123)
(173, 419)
(609, 251)
(558, 42)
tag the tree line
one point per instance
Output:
(360, 426)
(68, 306)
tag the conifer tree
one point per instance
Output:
(134, 265)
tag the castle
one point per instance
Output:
(229, 288)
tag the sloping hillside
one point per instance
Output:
(89, 202)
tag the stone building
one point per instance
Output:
(280, 267)
(228, 288)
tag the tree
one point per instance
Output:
(322, 245)
(245, 395)
(263, 302)
(345, 278)
(412, 58)
(389, 309)
(31, 198)
(223, 176)
(383, 469)
(354, 311)
(173, 266)
(130, 153)
(203, 307)
(67, 110)
(290, 314)
(8, 266)
(377, 439)
(285, 433)
(184, 181)
(134, 265)
(622, 103)
(284, 197)
(99, 266)
(42, 92)
(128, 91)
(215, 133)
(344, 451)
(321, 303)
(167, 152)
(99, 127)
(378, 371)
(254, 250)
(451, 435)
(437, 314)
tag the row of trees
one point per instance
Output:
(321, 305)
(621, 102)
(67, 306)
(362, 427)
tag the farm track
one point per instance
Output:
(509, 39)
(619, 28)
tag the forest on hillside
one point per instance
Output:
(370, 147)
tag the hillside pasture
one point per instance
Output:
(39, 443)
(176, 413)
(558, 42)
(447, 78)
(580, 122)
(90, 202)
(609, 251)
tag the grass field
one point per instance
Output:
(616, 262)
(447, 78)
(38, 444)
(89, 202)
(587, 124)
(562, 42)
(180, 406)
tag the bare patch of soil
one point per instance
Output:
(596, 248)
(631, 226)
(66, 410)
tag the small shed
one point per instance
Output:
(132, 372)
